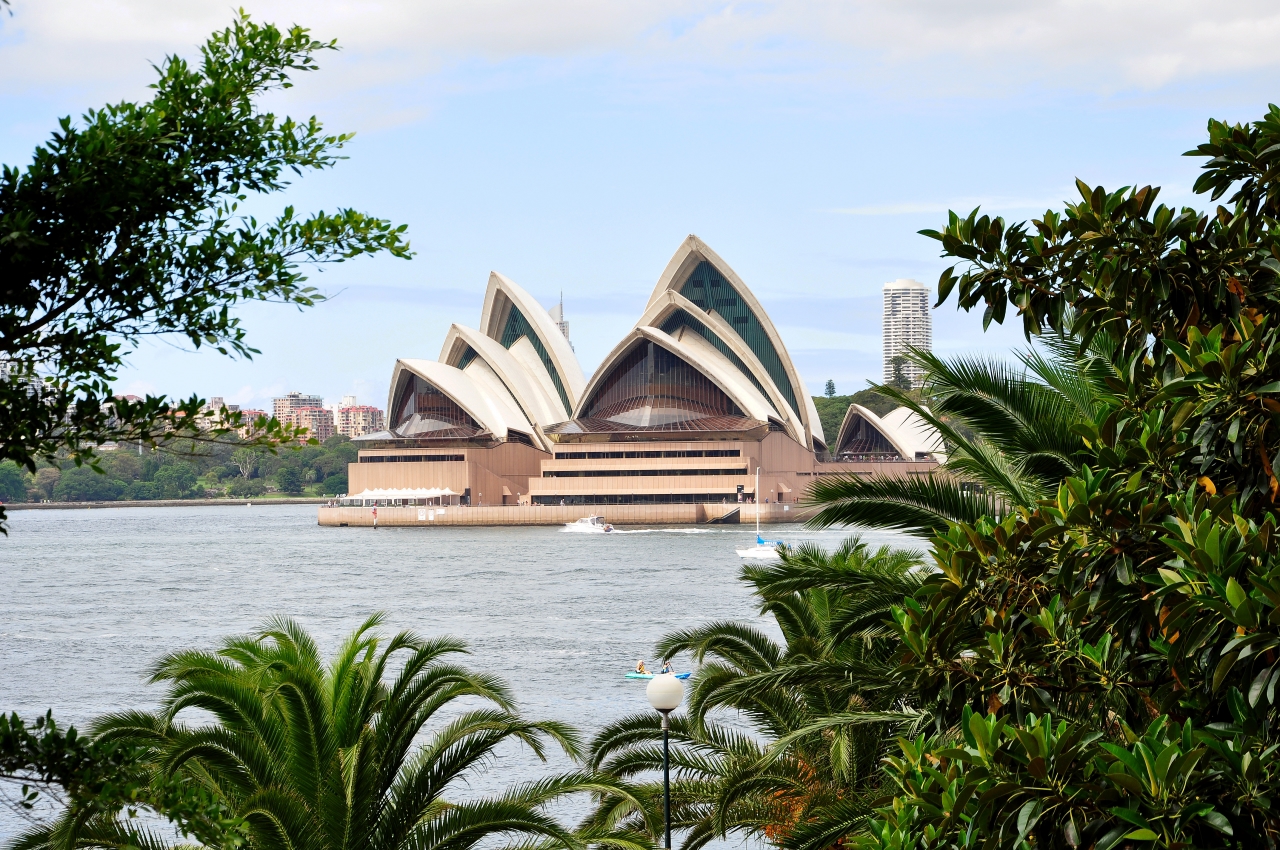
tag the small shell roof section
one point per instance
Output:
(902, 427)
(707, 282)
(511, 314)
(492, 412)
(484, 359)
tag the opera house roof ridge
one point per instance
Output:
(704, 355)
(901, 431)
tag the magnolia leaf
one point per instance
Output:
(1235, 593)
(1027, 817)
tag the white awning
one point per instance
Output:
(408, 493)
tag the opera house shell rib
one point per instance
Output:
(694, 398)
(899, 434)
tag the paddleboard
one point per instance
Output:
(635, 675)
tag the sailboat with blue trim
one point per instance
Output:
(764, 549)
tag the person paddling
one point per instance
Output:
(667, 668)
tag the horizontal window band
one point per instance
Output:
(410, 458)
(630, 473)
(630, 455)
(638, 499)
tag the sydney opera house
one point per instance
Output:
(699, 394)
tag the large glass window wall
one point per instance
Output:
(518, 326)
(421, 410)
(710, 290)
(681, 319)
(468, 354)
(651, 387)
(864, 442)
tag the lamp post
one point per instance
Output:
(665, 692)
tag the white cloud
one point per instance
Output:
(930, 46)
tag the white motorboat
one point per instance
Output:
(589, 525)
(764, 549)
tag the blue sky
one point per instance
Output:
(572, 144)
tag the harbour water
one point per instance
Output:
(95, 597)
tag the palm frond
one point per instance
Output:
(922, 505)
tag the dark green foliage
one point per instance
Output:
(13, 487)
(1011, 435)
(176, 480)
(289, 480)
(44, 482)
(128, 223)
(241, 488)
(1102, 664)
(99, 780)
(144, 491)
(197, 470)
(830, 389)
(373, 749)
(900, 380)
(831, 410)
(819, 715)
(82, 484)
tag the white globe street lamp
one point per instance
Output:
(665, 692)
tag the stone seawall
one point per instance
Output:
(156, 503)
(561, 514)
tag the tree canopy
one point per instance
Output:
(1101, 664)
(129, 223)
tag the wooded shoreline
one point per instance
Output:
(159, 503)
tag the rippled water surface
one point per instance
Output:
(94, 597)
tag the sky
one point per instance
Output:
(573, 144)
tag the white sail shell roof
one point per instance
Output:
(523, 375)
(495, 412)
(699, 354)
(902, 427)
(527, 383)
(800, 419)
(503, 294)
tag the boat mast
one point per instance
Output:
(757, 494)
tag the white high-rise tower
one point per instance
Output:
(907, 324)
(557, 316)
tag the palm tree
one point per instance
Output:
(819, 709)
(1010, 433)
(367, 751)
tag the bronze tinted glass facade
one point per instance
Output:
(518, 326)
(680, 319)
(710, 290)
(421, 410)
(653, 387)
(864, 441)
